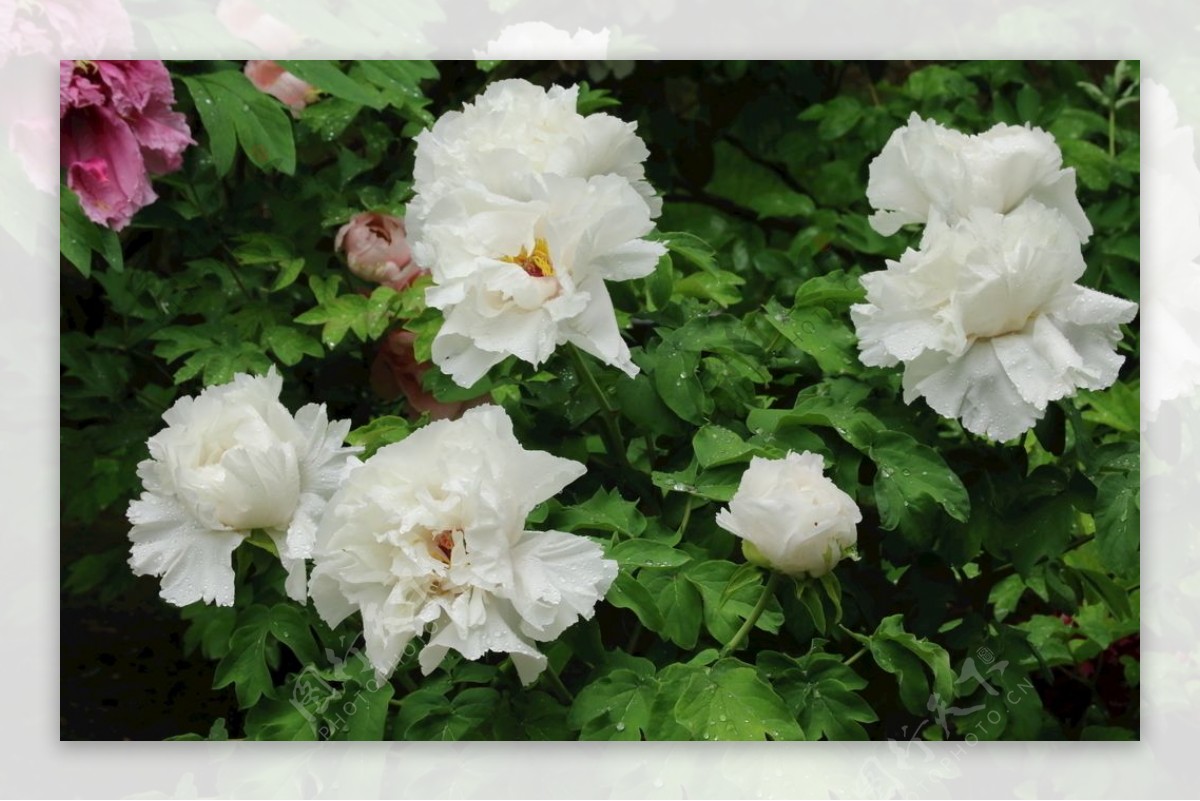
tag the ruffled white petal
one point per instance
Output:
(927, 172)
(429, 534)
(557, 579)
(194, 562)
(230, 461)
(987, 320)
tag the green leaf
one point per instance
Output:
(289, 271)
(328, 77)
(252, 655)
(719, 287)
(428, 715)
(616, 706)
(400, 84)
(677, 382)
(908, 658)
(690, 248)
(913, 474)
(279, 720)
(835, 290)
(647, 553)
(1118, 520)
(729, 593)
(832, 404)
(1092, 164)
(604, 511)
(216, 116)
(291, 345)
(1040, 531)
(754, 186)
(379, 432)
(245, 666)
(717, 446)
(679, 604)
(79, 237)
(814, 330)
(591, 100)
(730, 701)
(821, 692)
(627, 592)
(364, 712)
(289, 625)
(263, 128)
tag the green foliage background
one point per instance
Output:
(997, 590)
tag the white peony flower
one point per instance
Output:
(989, 321)
(516, 129)
(928, 172)
(232, 460)
(430, 533)
(791, 517)
(520, 277)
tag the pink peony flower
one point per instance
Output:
(269, 77)
(117, 125)
(377, 250)
(397, 372)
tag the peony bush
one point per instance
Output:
(731, 401)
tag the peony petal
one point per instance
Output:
(973, 387)
(558, 579)
(195, 564)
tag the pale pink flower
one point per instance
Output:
(269, 77)
(377, 250)
(396, 371)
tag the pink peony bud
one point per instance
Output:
(397, 372)
(117, 126)
(377, 250)
(269, 77)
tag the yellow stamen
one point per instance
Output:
(537, 263)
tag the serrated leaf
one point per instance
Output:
(604, 511)
(328, 77)
(379, 432)
(814, 330)
(279, 721)
(617, 706)
(679, 605)
(913, 474)
(821, 692)
(263, 128)
(729, 701)
(428, 715)
(729, 593)
(910, 659)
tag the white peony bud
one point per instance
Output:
(231, 460)
(791, 516)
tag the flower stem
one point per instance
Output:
(768, 591)
(559, 688)
(687, 516)
(1112, 130)
(607, 413)
(854, 657)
